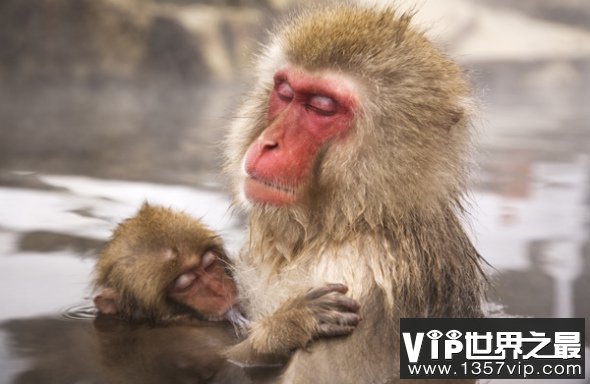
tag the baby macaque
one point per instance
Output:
(165, 267)
(161, 265)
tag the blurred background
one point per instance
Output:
(107, 103)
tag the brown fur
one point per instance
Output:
(382, 212)
(134, 262)
(149, 251)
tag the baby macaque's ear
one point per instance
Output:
(107, 301)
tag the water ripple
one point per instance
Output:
(83, 311)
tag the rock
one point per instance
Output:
(92, 40)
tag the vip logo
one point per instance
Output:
(437, 348)
(452, 344)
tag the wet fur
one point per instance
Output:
(384, 207)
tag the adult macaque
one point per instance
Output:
(167, 268)
(349, 158)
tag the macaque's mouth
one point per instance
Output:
(282, 188)
(235, 316)
(264, 191)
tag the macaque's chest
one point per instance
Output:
(263, 290)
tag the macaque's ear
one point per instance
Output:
(107, 301)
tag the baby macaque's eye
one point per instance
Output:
(184, 281)
(208, 261)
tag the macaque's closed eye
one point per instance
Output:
(184, 282)
(322, 105)
(187, 279)
(208, 261)
(285, 91)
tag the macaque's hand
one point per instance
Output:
(335, 313)
(320, 312)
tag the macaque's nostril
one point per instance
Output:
(270, 144)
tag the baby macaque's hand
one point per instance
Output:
(318, 313)
(335, 313)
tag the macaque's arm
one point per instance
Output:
(321, 312)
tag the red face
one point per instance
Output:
(305, 112)
(205, 287)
